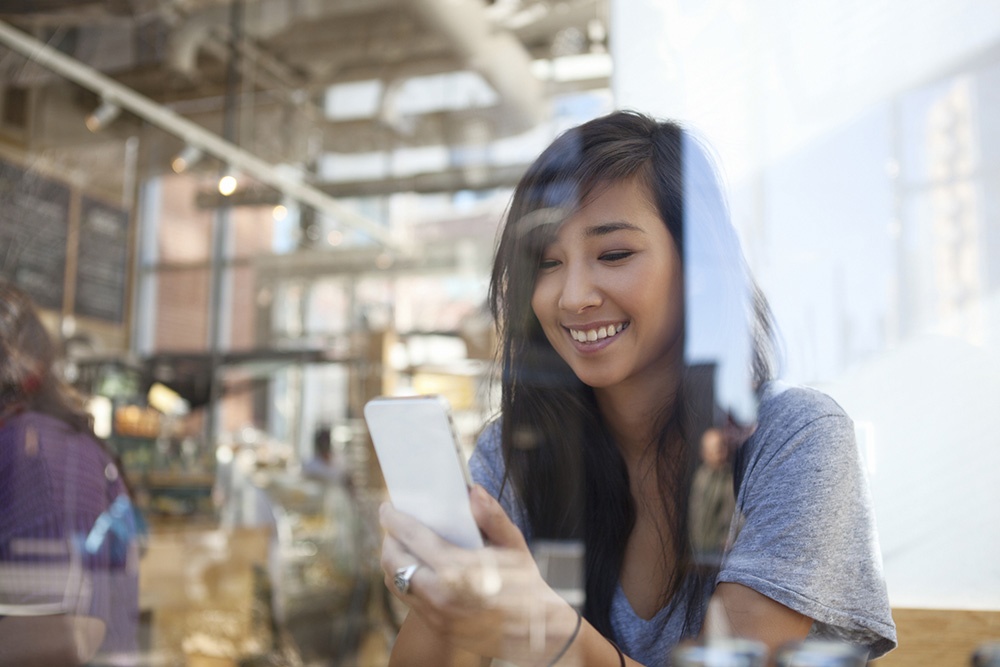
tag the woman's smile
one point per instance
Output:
(594, 334)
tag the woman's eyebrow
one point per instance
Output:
(611, 227)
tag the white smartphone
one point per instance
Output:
(423, 465)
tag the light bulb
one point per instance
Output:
(185, 159)
(102, 115)
(227, 185)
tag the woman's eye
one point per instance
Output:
(548, 264)
(616, 255)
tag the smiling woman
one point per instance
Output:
(618, 288)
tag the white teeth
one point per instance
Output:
(596, 334)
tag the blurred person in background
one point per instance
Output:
(323, 466)
(68, 547)
(713, 500)
(616, 268)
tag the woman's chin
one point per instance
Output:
(595, 381)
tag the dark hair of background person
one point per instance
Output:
(323, 441)
(560, 458)
(28, 379)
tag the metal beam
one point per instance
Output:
(195, 135)
(487, 177)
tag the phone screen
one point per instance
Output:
(424, 468)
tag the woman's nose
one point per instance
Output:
(579, 290)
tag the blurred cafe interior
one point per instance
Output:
(239, 220)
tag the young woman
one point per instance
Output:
(617, 282)
(68, 563)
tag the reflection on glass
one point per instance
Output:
(69, 536)
(633, 339)
(861, 164)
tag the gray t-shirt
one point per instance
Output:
(805, 536)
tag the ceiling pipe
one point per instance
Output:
(263, 20)
(191, 133)
(186, 40)
(496, 55)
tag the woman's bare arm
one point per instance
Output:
(738, 611)
(418, 645)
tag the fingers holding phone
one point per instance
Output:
(488, 600)
(452, 589)
(493, 522)
(484, 600)
(450, 576)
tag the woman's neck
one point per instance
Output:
(634, 416)
(634, 409)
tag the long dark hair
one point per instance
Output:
(561, 461)
(28, 380)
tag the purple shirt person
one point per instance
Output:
(68, 547)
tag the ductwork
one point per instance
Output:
(186, 40)
(262, 20)
(238, 158)
(463, 24)
(497, 56)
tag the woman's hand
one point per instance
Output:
(492, 601)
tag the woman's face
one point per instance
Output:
(609, 292)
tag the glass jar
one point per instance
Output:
(987, 655)
(719, 653)
(821, 653)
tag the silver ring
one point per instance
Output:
(402, 578)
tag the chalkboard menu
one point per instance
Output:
(34, 225)
(102, 261)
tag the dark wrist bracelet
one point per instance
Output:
(621, 656)
(569, 642)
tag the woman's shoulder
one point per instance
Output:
(794, 418)
(487, 457)
(39, 422)
(487, 468)
(790, 407)
(52, 436)
(489, 436)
